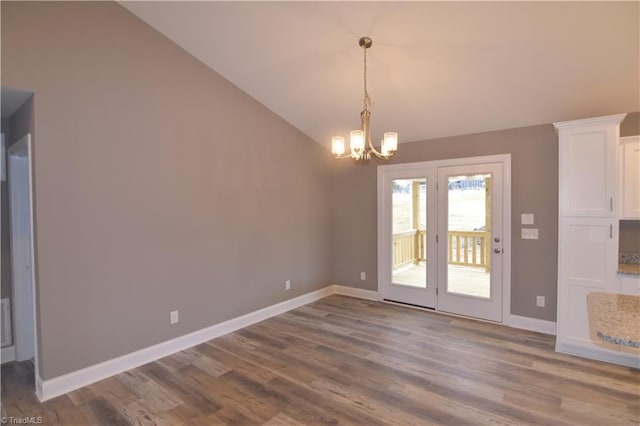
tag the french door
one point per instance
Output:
(409, 247)
(470, 253)
(441, 233)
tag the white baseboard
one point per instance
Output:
(8, 354)
(47, 389)
(39, 387)
(515, 321)
(356, 292)
(620, 358)
(531, 324)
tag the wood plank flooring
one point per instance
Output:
(342, 360)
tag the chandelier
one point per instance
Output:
(360, 140)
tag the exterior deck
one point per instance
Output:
(468, 280)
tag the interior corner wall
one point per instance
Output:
(159, 186)
(534, 189)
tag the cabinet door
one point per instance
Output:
(630, 183)
(587, 254)
(587, 170)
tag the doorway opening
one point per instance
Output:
(16, 206)
(22, 250)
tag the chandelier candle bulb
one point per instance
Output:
(384, 147)
(391, 141)
(337, 145)
(357, 142)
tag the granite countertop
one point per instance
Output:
(629, 268)
(615, 319)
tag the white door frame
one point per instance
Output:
(22, 250)
(386, 172)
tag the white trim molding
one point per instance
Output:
(23, 280)
(8, 354)
(356, 292)
(51, 388)
(531, 324)
(39, 387)
(620, 358)
(60, 385)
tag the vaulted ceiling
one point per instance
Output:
(435, 69)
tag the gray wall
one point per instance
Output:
(21, 121)
(159, 186)
(630, 236)
(534, 185)
(630, 126)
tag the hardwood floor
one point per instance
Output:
(348, 361)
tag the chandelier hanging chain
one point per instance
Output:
(368, 103)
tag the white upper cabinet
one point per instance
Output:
(630, 177)
(587, 156)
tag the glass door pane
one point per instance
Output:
(469, 235)
(409, 232)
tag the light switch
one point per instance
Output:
(529, 233)
(526, 219)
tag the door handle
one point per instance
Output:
(497, 250)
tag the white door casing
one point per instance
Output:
(22, 248)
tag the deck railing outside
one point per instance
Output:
(466, 248)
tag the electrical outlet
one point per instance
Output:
(173, 317)
(287, 285)
(540, 301)
(363, 276)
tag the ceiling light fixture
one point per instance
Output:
(360, 140)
